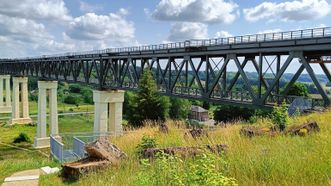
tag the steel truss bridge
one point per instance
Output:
(195, 69)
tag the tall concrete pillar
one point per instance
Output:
(42, 140)
(115, 112)
(100, 111)
(1, 93)
(25, 98)
(5, 106)
(8, 99)
(108, 111)
(17, 117)
(53, 111)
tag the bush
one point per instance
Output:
(33, 97)
(75, 88)
(146, 142)
(179, 108)
(22, 137)
(205, 169)
(279, 116)
(298, 89)
(73, 100)
(227, 113)
(87, 96)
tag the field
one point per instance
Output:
(280, 160)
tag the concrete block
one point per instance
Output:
(20, 121)
(21, 178)
(41, 142)
(49, 170)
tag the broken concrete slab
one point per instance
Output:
(104, 150)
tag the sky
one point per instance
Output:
(40, 27)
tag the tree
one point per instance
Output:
(179, 108)
(298, 89)
(147, 104)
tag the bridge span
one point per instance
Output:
(194, 69)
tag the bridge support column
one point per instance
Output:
(42, 140)
(5, 106)
(108, 111)
(20, 101)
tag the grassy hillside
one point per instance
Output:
(280, 160)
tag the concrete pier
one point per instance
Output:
(42, 140)
(20, 97)
(5, 105)
(108, 111)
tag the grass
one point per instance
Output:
(13, 159)
(280, 160)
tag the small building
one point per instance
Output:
(198, 113)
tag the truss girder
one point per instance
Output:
(204, 77)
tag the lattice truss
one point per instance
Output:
(205, 77)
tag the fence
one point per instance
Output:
(254, 38)
(71, 146)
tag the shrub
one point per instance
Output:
(228, 113)
(179, 108)
(22, 137)
(73, 100)
(205, 169)
(75, 88)
(298, 89)
(146, 142)
(87, 96)
(279, 116)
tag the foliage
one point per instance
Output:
(22, 137)
(146, 142)
(279, 116)
(147, 104)
(257, 115)
(298, 89)
(33, 97)
(75, 88)
(179, 108)
(205, 169)
(87, 95)
(73, 100)
(127, 107)
(228, 113)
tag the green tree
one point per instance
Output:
(179, 108)
(147, 104)
(298, 89)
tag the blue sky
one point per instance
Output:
(37, 27)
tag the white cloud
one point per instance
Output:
(184, 31)
(297, 10)
(270, 31)
(35, 9)
(223, 34)
(20, 28)
(113, 28)
(86, 7)
(203, 11)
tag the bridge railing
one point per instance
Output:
(253, 38)
(315, 102)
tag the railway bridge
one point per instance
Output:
(193, 69)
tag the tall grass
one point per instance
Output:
(263, 160)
